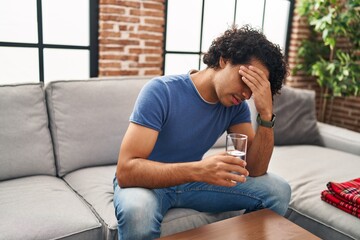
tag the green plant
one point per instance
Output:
(337, 70)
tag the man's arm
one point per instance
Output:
(260, 147)
(262, 144)
(135, 170)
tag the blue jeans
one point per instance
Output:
(140, 211)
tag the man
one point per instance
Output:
(176, 119)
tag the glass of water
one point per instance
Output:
(236, 145)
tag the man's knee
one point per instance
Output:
(137, 214)
(281, 194)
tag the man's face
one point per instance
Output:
(230, 88)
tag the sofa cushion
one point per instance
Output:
(104, 106)
(25, 142)
(94, 185)
(44, 207)
(308, 169)
(296, 121)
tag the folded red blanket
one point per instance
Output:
(348, 190)
(331, 198)
(345, 196)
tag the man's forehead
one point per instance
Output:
(258, 64)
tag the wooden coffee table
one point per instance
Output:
(262, 224)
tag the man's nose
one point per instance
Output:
(246, 94)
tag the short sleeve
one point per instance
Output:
(242, 114)
(151, 106)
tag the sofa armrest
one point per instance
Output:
(340, 138)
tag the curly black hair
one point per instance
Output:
(241, 45)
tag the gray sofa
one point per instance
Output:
(58, 152)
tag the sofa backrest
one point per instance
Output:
(89, 118)
(25, 142)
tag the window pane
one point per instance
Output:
(218, 16)
(180, 63)
(250, 12)
(65, 64)
(183, 25)
(18, 21)
(66, 22)
(276, 21)
(19, 65)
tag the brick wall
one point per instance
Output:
(131, 37)
(345, 112)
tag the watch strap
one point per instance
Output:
(268, 124)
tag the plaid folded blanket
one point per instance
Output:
(345, 196)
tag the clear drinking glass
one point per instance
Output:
(236, 145)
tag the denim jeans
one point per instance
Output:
(140, 211)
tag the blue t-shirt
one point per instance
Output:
(188, 126)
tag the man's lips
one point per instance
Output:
(235, 100)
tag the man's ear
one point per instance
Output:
(222, 62)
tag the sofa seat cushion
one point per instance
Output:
(95, 185)
(308, 169)
(44, 207)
